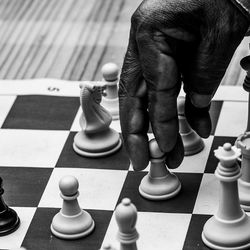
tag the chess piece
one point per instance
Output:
(229, 227)
(110, 72)
(71, 222)
(107, 247)
(192, 142)
(126, 216)
(243, 142)
(9, 220)
(96, 139)
(159, 183)
(245, 64)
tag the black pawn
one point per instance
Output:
(9, 220)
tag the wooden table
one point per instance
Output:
(71, 39)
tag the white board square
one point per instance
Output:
(18, 147)
(6, 103)
(196, 163)
(233, 119)
(15, 239)
(157, 231)
(99, 189)
(208, 196)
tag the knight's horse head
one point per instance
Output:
(95, 118)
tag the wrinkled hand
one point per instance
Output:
(174, 41)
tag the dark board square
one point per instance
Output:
(182, 203)
(42, 112)
(193, 239)
(69, 158)
(214, 112)
(23, 187)
(39, 236)
(212, 161)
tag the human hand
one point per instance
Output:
(174, 41)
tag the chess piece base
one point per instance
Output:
(162, 188)
(244, 194)
(9, 221)
(97, 145)
(227, 235)
(192, 142)
(112, 105)
(72, 227)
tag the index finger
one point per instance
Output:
(162, 76)
(133, 108)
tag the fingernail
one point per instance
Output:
(200, 100)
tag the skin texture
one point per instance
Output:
(173, 42)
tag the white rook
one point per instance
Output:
(243, 142)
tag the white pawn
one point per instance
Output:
(229, 228)
(110, 73)
(126, 216)
(159, 183)
(71, 222)
(192, 142)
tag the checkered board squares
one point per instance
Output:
(36, 138)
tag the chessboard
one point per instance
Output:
(39, 119)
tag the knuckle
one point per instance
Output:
(144, 17)
(136, 18)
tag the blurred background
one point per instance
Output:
(72, 39)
